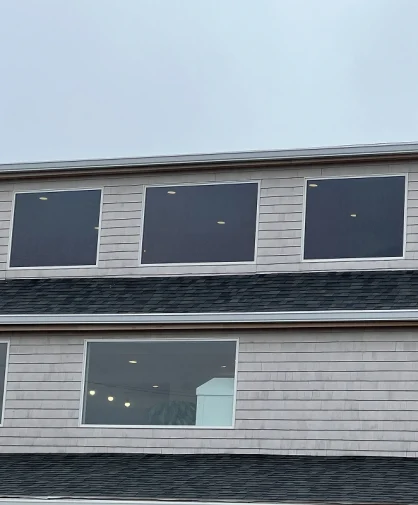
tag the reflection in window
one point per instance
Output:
(358, 217)
(3, 361)
(200, 224)
(55, 228)
(157, 383)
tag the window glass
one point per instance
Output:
(3, 362)
(55, 228)
(200, 224)
(359, 217)
(157, 383)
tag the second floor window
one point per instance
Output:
(55, 229)
(209, 223)
(355, 218)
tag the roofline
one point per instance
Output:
(331, 316)
(353, 153)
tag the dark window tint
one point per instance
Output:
(160, 383)
(3, 360)
(198, 224)
(57, 228)
(355, 218)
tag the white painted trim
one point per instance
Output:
(345, 259)
(325, 316)
(153, 426)
(6, 375)
(61, 267)
(198, 264)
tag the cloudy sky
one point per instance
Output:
(112, 78)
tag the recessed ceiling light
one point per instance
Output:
(127, 404)
(313, 185)
(221, 222)
(353, 215)
(96, 227)
(223, 366)
(92, 392)
(155, 386)
(43, 198)
(171, 192)
(133, 361)
(110, 398)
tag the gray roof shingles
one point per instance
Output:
(216, 477)
(363, 290)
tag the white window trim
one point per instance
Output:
(58, 190)
(345, 260)
(152, 426)
(203, 264)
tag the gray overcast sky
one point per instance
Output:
(112, 78)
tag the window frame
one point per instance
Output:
(81, 424)
(6, 375)
(203, 264)
(344, 177)
(58, 190)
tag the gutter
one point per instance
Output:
(329, 316)
(221, 160)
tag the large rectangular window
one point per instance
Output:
(160, 383)
(356, 217)
(55, 228)
(3, 365)
(200, 224)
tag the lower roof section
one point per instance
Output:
(210, 478)
(288, 292)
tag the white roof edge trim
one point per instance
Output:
(280, 154)
(103, 501)
(213, 317)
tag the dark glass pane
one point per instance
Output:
(3, 359)
(160, 383)
(200, 224)
(355, 218)
(58, 228)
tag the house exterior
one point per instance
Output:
(237, 327)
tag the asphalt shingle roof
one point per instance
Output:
(220, 477)
(366, 290)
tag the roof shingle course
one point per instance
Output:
(285, 292)
(212, 477)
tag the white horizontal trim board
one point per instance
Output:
(214, 317)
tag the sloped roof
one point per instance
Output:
(324, 291)
(216, 477)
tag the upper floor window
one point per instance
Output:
(356, 217)
(3, 364)
(160, 383)
(55, 228)
(200, 224)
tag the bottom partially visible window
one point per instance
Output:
(3, 364)
(160, 383)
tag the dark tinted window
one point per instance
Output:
(160, 383)
(199, 224)
(57, 228)
(355, 218)
(3, 360)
